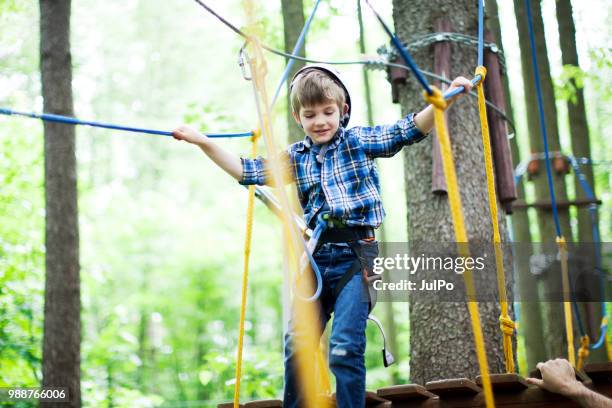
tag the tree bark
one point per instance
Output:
(553, 322)
(293, 22)
(581, 147)
(530, 316)
(441, 339)
(62, 326)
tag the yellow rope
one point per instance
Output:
(245, 274)
(506, 324)
(437, 100)
(567, 305)
(583, 352)
(304, 312)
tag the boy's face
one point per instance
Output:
(320, 121)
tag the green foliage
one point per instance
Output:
(570, 80)
(161, 228)
(21, 256)
(8, 6)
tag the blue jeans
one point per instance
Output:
(347, 342)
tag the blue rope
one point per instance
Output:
(597, 242)
(480, 32)
(403, 52)
(534, 60)
(296, 49)
(48, 117)
(461, 89)
(477, 78)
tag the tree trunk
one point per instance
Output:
(579, 131)
(62, 327)
(553, 322)
(366, 79)
(293, 22)
(530, 324)
(441, 339)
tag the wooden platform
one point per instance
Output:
(511, 390)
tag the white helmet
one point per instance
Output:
(335, 75)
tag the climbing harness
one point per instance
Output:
(361, 241)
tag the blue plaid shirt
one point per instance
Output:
(346, 182)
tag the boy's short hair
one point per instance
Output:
(313, 87)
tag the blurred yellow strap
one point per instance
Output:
(304, 312)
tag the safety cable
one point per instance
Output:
(368, 63)
(569, 332)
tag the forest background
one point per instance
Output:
(161, 228)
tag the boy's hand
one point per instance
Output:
(458, 82)
(189, 134)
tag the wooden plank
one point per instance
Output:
(405, 392)
(453, 387)
(229, 405)
(373, 400)
(505, 382)
(530, 397)
(599, 372)
(271, 403)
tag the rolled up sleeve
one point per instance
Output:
(257, 170)
(387, 140)
(253, 171)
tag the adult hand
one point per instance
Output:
(557, 376)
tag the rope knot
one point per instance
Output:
(256, 135)
(583, 352)
(507, 325)
(482, 71)
(436, 98)
(562, 244)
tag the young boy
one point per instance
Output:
(335, 174)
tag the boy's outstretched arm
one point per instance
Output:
(224, 159)
(424, 120)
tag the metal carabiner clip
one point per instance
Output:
(243, 59)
